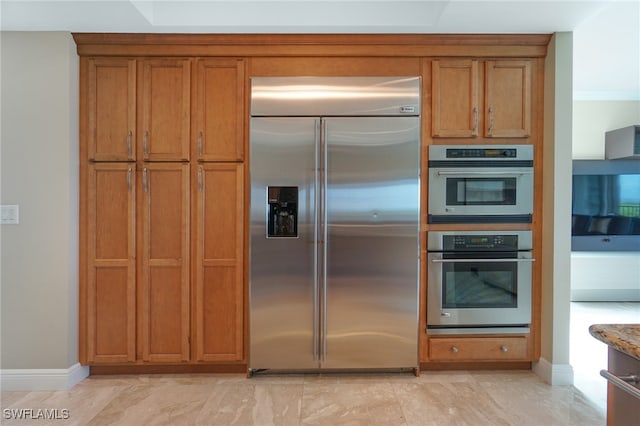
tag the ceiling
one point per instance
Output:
(606, 32)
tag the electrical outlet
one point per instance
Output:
(10, 214)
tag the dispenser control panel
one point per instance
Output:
(283, 212)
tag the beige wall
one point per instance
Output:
(591, 119)
(39, 167)
(556, 243)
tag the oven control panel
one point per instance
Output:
(480, 242)
(481, 153)
(477, 241)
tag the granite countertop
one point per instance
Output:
(623, 337)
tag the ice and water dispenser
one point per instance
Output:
(283, 211)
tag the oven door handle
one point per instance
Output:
(440, 260)
(483, 173)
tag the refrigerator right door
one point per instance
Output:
(371, 203)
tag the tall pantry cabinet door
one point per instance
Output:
(111, 105)
(219, 265)
(219, 110)
(508, 98)
(111, 311)
(165, 109)
(165, 262)
(454, 98)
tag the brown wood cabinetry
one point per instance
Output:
(111, 109)
(456, 111)
(165, 109)
(219, 109)
(478, 349)
(164, 284)
(163, 133)
(508, 99)
(219, 290)
(110, 303)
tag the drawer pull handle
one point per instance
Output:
(503, 348)
(454, 349)
(623, 383)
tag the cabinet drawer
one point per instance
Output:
(477, 349)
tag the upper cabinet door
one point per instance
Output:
(165, 109)
(219, 111)
(111, 106)
(508, 98)
(454, 102)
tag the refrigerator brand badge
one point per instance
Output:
(407, 109)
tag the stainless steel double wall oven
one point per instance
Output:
(480, 281)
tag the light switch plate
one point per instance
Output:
(10, 214)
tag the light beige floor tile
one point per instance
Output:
(351, 404)
(530, 401)
(258, 404)
(9, 398)
(448, 403)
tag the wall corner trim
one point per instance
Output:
(42, 379)
(554, 374)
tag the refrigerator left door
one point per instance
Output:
(283, 263)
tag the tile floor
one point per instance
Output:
(434, 398)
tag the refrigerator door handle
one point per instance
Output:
(324, 227)
(317, 278)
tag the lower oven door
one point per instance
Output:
(481, 290)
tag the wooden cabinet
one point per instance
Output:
(110, 308)
(455, 104)
(165, 262)
(454, 112)
(138, 299)
(219, 290)
(478, 348)
(219, 110)
(508, 99)
(165, 108)
(111, 109)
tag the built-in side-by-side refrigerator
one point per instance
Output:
(334, 223)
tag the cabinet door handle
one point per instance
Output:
(503, 348)
(490, 120)
(145, 182)
(129, 136)
(145, 143)
(200, 144)
(200, 182)
(129, 180)
(454, 349)
(475, 120)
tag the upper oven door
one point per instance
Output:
(479, 289)
(480, 194)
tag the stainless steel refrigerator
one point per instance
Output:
(334, 223)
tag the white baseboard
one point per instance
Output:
(554, 374)
(42, 379)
